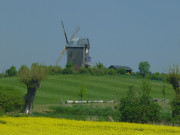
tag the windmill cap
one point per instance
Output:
(79, 42)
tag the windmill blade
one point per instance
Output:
(60, 56)
(64, 32)
(77, 29)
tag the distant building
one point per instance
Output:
(128, 69)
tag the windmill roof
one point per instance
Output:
(78, 42)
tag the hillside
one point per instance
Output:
(98, 87)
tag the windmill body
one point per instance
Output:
(77, 50)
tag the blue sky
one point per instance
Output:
(121, 32)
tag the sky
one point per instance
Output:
(121, 32)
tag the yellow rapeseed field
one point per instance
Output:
(54, 126)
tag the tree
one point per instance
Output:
(12, 71)
(144, 67)
(31, 78)
(174, 78)
(82, 92)
(137, 105)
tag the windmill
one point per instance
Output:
(77, 50)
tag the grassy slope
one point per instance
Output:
(98, 87)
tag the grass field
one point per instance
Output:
(57, 87)
(98, 87)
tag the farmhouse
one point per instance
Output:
(128, 69)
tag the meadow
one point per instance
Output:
(57, 87)
(47, 126)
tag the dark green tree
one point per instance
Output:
(12, 71)
(137, 105)
(174, 79)
(144, 67)
(31, 78)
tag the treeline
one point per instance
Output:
(99, 70)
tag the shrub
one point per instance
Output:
(138, 107)
(111, 72)
(174, 78)
(99, 69)
(83, 70)
(83, 112)
(121, 71)
(3, 75)
(54, 69)
(157, 76)
(12, 71)
(175, 105)
(69, 69)
(10, 99)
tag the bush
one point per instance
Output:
(99, 69)
(175, 105)
(69, 69)
(12, 71)
(157, 76)
(111, 72)
(83, 112)
(121, 71)
(83, 70)
(10, 99)
(3, 75)
(138, 107)
(54, 69)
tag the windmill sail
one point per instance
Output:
(64, 32)
(77, 29)
(60, 56)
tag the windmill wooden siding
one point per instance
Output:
(78, 52)
(75, 55)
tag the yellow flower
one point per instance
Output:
(54, 126)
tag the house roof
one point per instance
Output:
(118, 67)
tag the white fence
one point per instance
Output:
(77, 102)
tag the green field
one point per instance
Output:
(98, 87)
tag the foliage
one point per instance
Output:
(137, 105)
(69, 69)
(10, 99)
(174, 78)
(12, 71)
(99, 69)
(3, 75)
(83, 112)
(121, 71)
(54, 69)
(144, 67)
(82, 92)
(31, 78)
(157, 76)
(84, 70)
(111, 72)
(175, 104)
